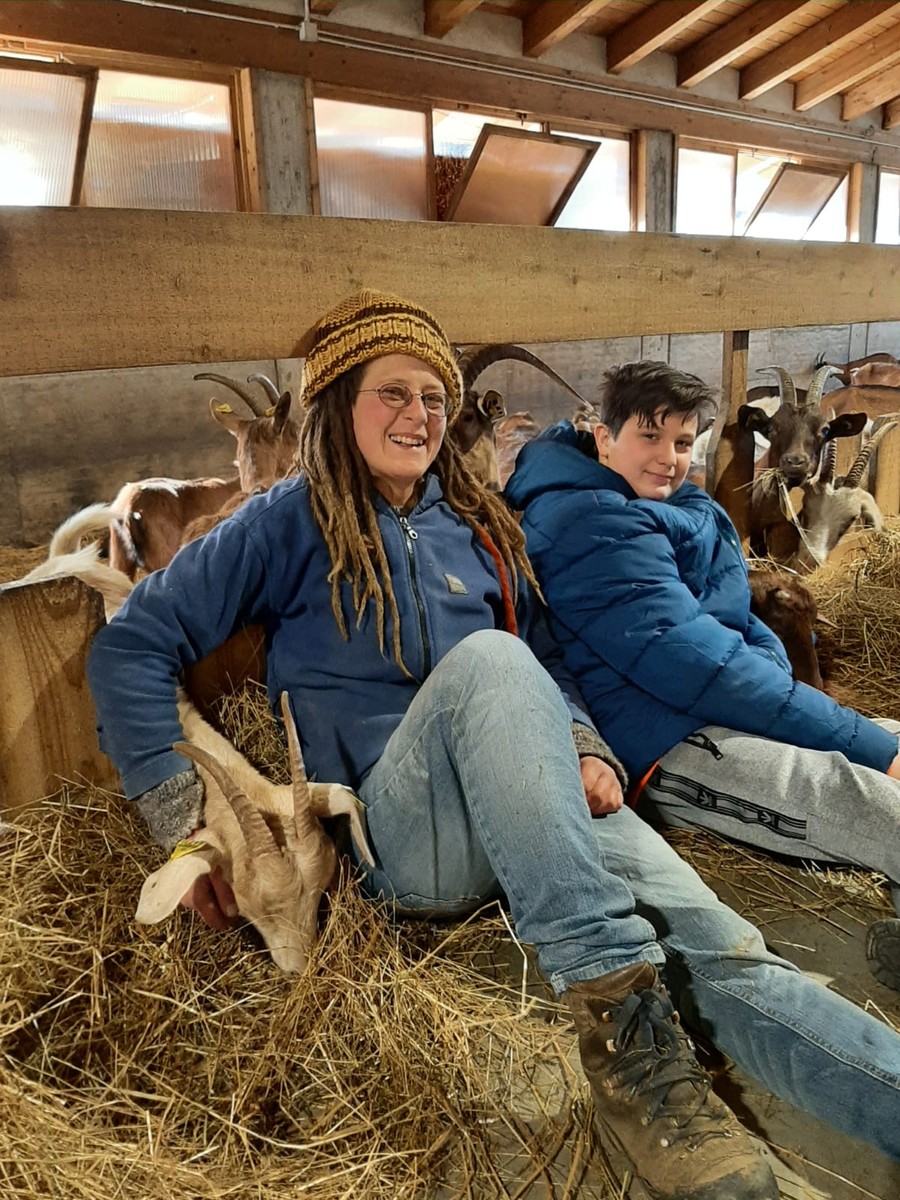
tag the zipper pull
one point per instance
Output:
(408, 529)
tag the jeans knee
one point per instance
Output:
(493, 657)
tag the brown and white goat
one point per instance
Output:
(796, 431)
(845, 371)
(510, 435)
(149, 517)
(474, 428)
(832, 507)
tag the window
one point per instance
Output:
(758, 194)
(602, 198)
(887, 227)
(373, 160)
(75, 135)
(454, 136)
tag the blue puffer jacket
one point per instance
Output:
(651, 605)
(268, 565)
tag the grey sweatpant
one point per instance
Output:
(814, 805)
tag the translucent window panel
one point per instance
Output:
(455, 133)
(705, 193)
(602, 199)
(831, 223)
(887, 227)
(515, 177)
(372, 161)
(40, 114)
(160, 143)
(793, 201)
(755, 173)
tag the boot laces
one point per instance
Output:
(656, 1062)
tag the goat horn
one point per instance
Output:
(829, 459)
(855, 474)
(786, 388)
(475, 359)
(267, 386)
(256, 832)
(252, 401)
(817, 385)
(306, 823)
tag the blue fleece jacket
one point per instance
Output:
(651, 604)
(269, 565)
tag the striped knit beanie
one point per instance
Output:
(369, 326)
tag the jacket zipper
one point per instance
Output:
(411, 538)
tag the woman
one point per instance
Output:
(400, 618)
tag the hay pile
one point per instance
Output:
(16, 561)
(861, 595)
(174, 1062)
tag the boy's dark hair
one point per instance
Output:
(642, 389)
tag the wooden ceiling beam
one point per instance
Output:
(724, 44)
(805, 49)
(871, 93)
(650, 30)
(891, 118)
(550, 22)
(875, 54)
(443, 15)
(322, 8)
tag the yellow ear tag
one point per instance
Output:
(223, 408)
(270, 411)
(188, 846)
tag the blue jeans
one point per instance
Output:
(478, 794)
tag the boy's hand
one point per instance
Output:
(602, 789)
(893, 770)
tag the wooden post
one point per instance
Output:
(729, 457)
(47, 720)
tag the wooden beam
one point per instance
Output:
(805, 49)
(891, 117)
(550, 22)
(443, 15)
(47, 720)
(409, 68)
(871, 93)
(650, 30)
(875, 54)
(739, 35)
(729, 455)
(122, 287)
(322, 8)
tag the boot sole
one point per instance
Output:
(883, 952)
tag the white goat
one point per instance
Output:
(831, 507)
(266, 838)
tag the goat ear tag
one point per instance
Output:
(224, 408)
(456, 586)
(188, 846)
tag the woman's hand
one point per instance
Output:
(211, 896)
(602, 789)
(894, 769)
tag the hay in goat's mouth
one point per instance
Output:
(175, 1062)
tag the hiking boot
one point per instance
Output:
(653, 1097)
(883, 951)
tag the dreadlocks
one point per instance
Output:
(340, 489)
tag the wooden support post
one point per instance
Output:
(887, 474)
(729, 457)
(47, 720)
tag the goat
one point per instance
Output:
(473, 429)
(266, 838)
(149, 517)
(789, 609)
(510, 435)
(797, 432)
(844, 371)
(831, 507)
(871, 400)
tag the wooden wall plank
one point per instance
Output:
(90, 288)
(47, 717)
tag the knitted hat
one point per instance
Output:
(368, 326)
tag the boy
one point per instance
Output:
(647, 586)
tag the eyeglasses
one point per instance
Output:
(397, 395)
